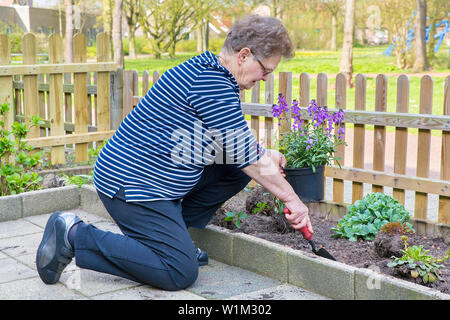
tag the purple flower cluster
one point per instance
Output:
(280, 107)
(321, 117)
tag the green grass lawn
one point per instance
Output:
(369, 60)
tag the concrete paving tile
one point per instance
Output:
(35, 289)
(91, 283)
(148, 293)
(11, 270)
(41, 220)
(29, 260)
(282, 292)
(22, 245)
(16, 228)
(220, 281)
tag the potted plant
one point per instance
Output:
(309, 145)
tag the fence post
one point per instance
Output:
(285, 88)
(401, 134)
(80, 96)
(128, 92)
(423, 146)
(359, 135)
(341, 102)
(268, 99)
(444, 202)
(56, 98)
(42, 101)
(145, 82)
(155, 76)
(116, 89)
(103, 85)
(379, 135)
(255, 119)
(321, 89)
(30, 84)
(6, 82)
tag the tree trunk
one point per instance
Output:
(132, 41)
(156, 48)
(117, 33)
(172, 48)
(431, 56)
(346, 65)
(334, 33)
(420, 61)
(200, 38)
(207, 34)
(69, 31)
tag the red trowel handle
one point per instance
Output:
(305, 232)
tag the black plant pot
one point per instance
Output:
(308, 185)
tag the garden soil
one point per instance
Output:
(362, 254)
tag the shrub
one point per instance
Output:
(366, 217)
(17, 161)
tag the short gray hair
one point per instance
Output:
(264, 36)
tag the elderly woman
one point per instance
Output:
(175, 159)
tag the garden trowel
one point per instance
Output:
(308, 236)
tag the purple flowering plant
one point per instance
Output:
(311, 141)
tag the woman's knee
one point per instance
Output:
(176, 276)
(186, 278)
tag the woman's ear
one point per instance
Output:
(243, 55)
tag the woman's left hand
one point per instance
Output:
(278, 158)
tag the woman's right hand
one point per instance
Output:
(298, 215)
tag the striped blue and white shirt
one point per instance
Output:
(189, 119)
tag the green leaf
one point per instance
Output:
(392, 264)
(243, 215)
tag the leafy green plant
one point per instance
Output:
(260, 207)
(17, 161)
(93, 153)
(366, 217)
(278, 205)
(238, 218)
(79, 179)
(419, 262)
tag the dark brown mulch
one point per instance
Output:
(361, 254)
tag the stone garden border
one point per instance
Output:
(332, 279)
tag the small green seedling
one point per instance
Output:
(260, 207)
(237, 218)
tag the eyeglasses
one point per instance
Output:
(264, 69)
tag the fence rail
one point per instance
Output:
(263, 126)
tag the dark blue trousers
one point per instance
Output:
(156, 248)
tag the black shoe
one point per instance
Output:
(55, 252)
(202, 257)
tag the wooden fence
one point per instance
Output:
(52, 89)
(262, 122)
